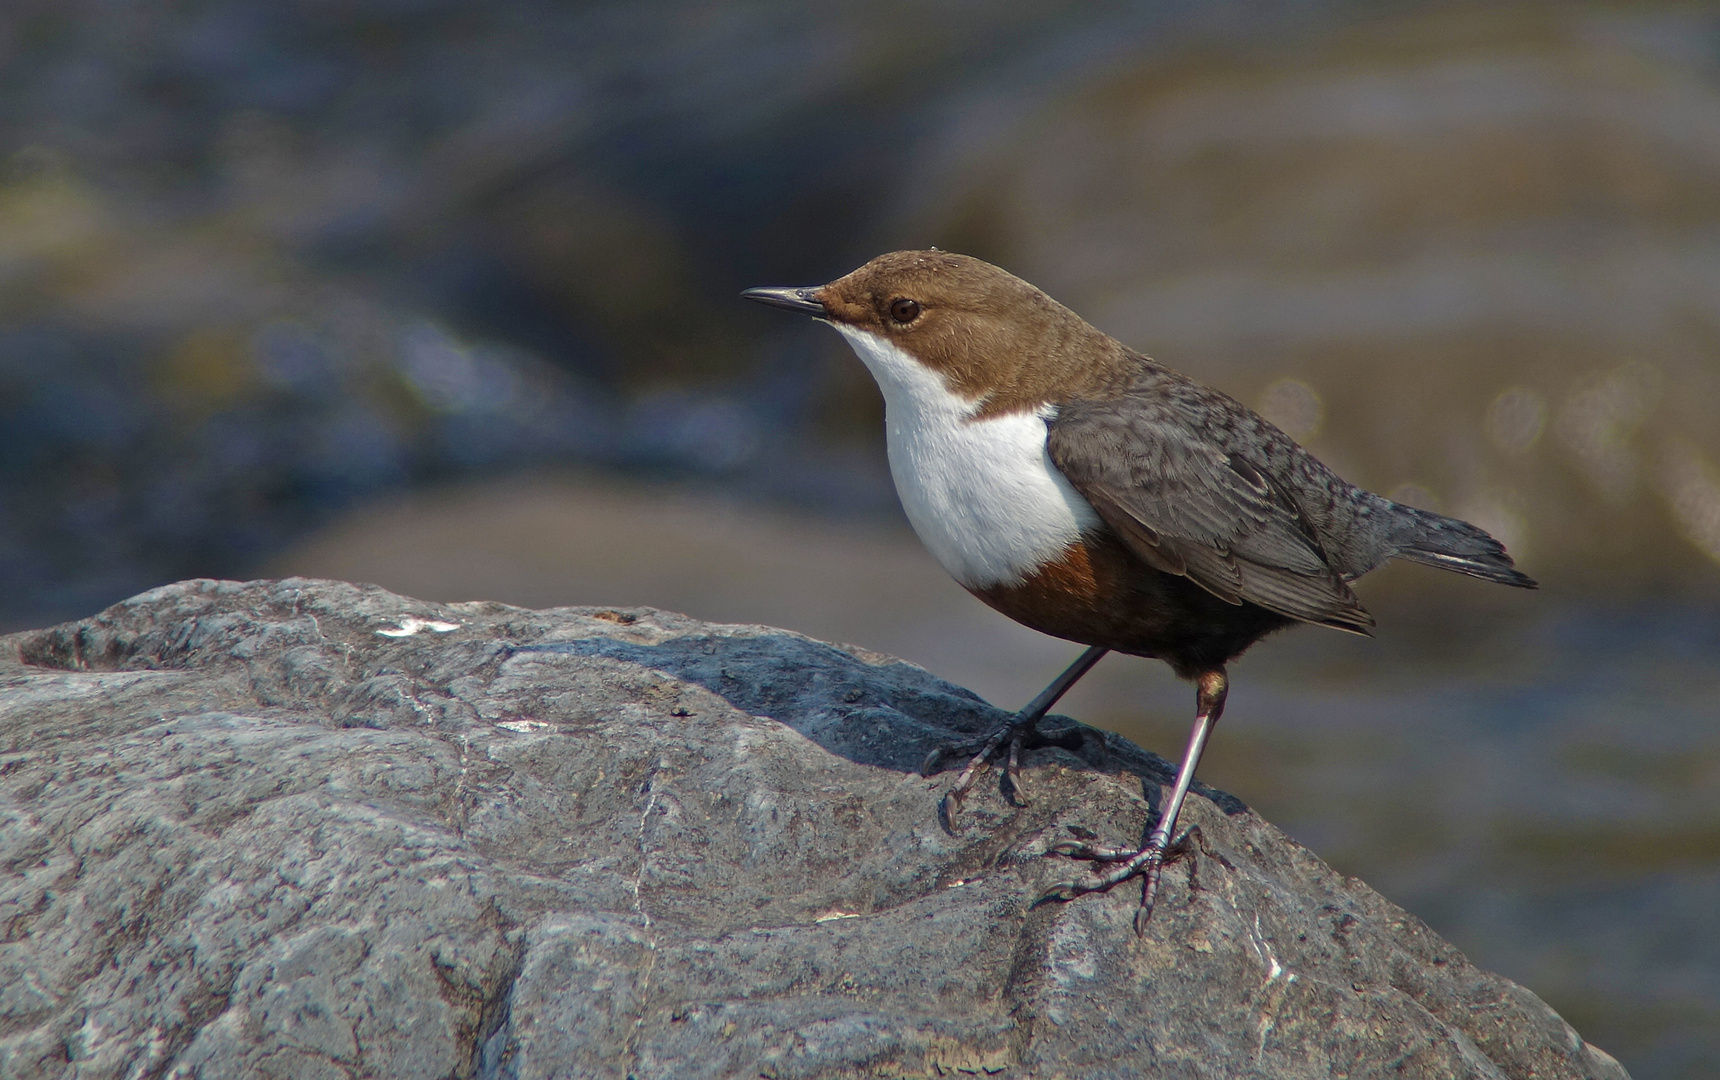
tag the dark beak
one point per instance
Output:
(801, 300)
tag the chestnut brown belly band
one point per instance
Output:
(1099, 593)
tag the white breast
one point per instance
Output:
(983, 494)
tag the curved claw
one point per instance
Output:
(929, 765)
(1063, 891)
(946, 811)
(1142, 914)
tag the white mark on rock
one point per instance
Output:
(411, 624)
(832, 916)
(1275, 994)
(524, 726)
(1263, 950)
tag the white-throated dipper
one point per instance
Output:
(1094, 494)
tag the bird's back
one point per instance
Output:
(1241, 507)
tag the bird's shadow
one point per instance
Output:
(871, 709)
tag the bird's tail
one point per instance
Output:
(1436, 540)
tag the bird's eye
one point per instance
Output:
(904, 310)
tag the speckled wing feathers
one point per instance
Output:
(1187, 505)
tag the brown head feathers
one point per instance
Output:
(990, 334)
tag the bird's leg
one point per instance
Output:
(1149, 861)
(1015, 733)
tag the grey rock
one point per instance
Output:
(308, 829)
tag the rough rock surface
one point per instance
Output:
(308, 829)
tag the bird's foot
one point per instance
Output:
(1011, 735)
(1007, 742)
(1016, 733)
(1124, 863)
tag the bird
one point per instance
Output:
(1097, 495)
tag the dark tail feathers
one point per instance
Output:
(1423, 537)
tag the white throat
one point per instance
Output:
(982, 493)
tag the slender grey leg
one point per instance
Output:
(1015, 732)
(1149, 861)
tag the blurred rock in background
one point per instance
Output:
(301, 286)
(260, 262)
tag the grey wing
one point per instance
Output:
(1186, 506)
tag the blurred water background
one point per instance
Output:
(441, 295)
